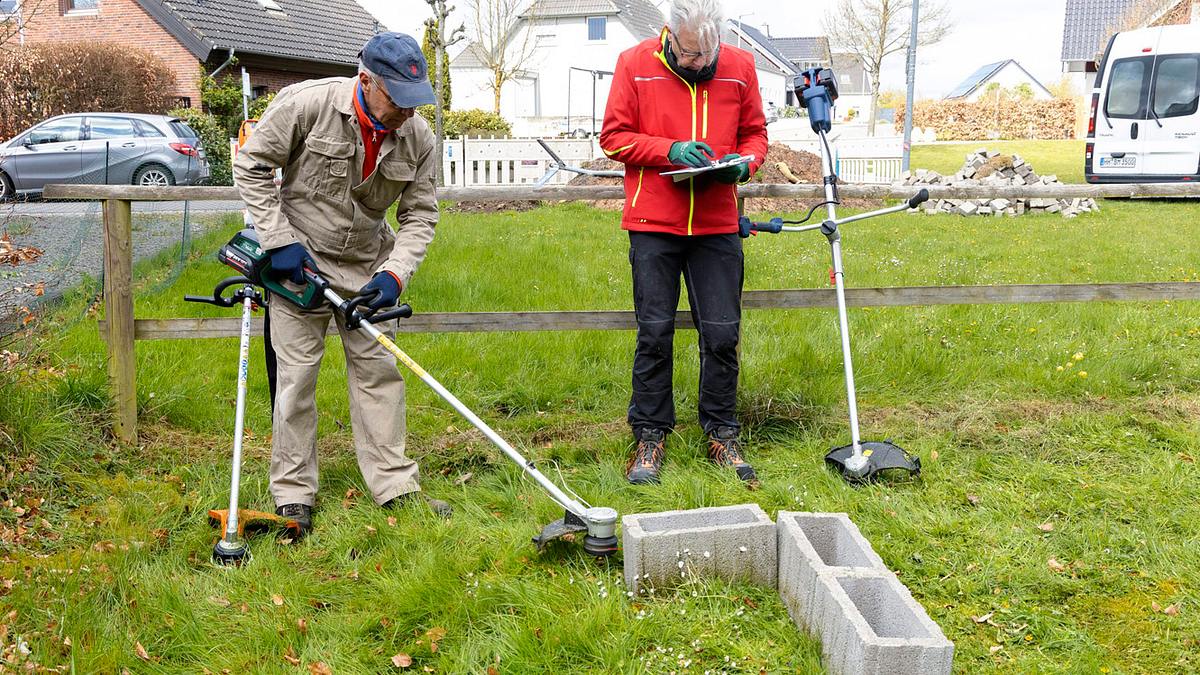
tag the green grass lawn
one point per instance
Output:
(1054, 525)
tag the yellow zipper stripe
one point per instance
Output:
(704, 134)
(610, 153)
(691, 181)
(638, 192)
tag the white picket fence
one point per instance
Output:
(467, 162)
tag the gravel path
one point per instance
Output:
(71, 238)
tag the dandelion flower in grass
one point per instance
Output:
(1078, 356)
(1059, 369)
(1083, 373)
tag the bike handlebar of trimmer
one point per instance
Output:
(354, 310)
(774, 226)
(218, 297)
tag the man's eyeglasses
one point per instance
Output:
(684, 53)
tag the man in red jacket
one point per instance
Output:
(683, 99)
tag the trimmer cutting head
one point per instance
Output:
(234, 552)
(599, 522)
(877, 457)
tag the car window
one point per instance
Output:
(101, 128)
(182, 130)
(1128, 88)
(148, 130)
(1177, 85)
(56, 131)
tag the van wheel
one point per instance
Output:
(154, 175)
(7, 191)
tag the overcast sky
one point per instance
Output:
(1029, 31)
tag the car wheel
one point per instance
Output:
(6, 187)
(154, 175)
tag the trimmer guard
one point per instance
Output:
(254, 521)
(880, 455)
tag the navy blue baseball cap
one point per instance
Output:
(397, 59)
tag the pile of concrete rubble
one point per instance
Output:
(990, 168)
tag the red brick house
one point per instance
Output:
(279, 42)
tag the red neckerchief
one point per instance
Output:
(373, 133)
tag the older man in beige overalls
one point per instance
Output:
(349, 148)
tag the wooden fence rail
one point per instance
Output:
(120, 329)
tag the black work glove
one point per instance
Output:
(289, 262)
(386, 289)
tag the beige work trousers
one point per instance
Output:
(376, 407)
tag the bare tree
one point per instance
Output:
(496, 43)
(437, 26)
(872, 30)
(13, 25)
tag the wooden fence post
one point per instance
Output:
(118, 309)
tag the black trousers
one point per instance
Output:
(712, 268)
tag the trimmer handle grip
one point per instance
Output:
(218, 297)
(747, 227)
(402, 312)
(918, 199)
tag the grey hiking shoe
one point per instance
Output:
(438, 506)
(724, 449)
(646, 463)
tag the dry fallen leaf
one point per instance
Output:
(402, 660)
(463, 478)
(1172, 610)
(220, 602)
(391, 521)
(302, 625)
(995, 648)
(141, 652)
(973, 500)
(1056, 566)
(1155, 607)
(492, 671)
(983, 619)
(319, 668)
(278, 600)
(1046, 527)
(933, 455)
(290, 656)
(371, 530)
(435, 634)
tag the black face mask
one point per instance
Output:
(690, 76)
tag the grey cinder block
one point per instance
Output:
(734, 543)
(838, 589)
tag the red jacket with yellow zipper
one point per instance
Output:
(650, 108)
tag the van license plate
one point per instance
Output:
(1118, 162)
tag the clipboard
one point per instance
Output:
(678, 175)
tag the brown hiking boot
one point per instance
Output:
(724, 449)
(646, 462)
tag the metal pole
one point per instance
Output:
(593, 104)
(912, 78)
(231, 524)
(569, 71)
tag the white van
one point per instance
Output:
(1145, 122)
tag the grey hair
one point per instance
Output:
(703, 17)
(362, 68)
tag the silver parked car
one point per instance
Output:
(98, 148)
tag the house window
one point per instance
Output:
(81, 5)
(183, 102)
(597, 27)
(259, 91)
(8, 7)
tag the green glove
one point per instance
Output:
(732, 174)
(690, 153)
